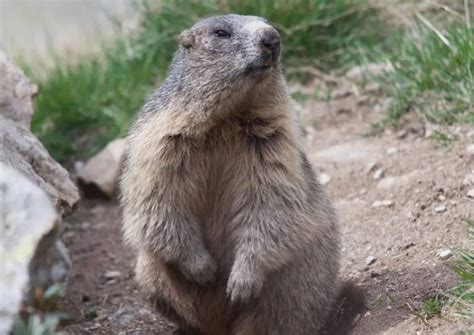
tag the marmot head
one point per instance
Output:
(240, 45)
(224, 63)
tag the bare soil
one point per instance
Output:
(390, 250)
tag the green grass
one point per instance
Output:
(462, 294)
(442, 139)
(459, 300)
(433, 306)
(83, 105)
(91, 313)
(37, 325)
(433, 76)
(324, 33)
(42, 316)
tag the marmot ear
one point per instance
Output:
(186, 38)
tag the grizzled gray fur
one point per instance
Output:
(233, 233)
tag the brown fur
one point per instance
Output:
(233, 233)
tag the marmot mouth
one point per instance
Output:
(259, 68)
(266, 66)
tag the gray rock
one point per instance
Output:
(16, 91)
(34, 193)
(370, 260)
(392, 151)
(431, 129)
(123, 315)
(20, 148)
(78, 165)
(112, 275)
(21, 204)
(440, 209)
(445, 254)
(101, 172)
(324, 178)
(379, 174)
(382, 203)
(372, 166)
(470, 193)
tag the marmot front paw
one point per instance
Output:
(199, 267)
(243, 286)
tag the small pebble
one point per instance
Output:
(78, 165)
(356, 319)
(468, 179)
(383, 203)
(402, 134)
(85, 225)
(144, 311)
(379, 174)
(68, 235)
(392, 151)
(370, 260)
(440, 209)
(123, 316)
(445, 254)
(430, 130)
(470, 149)
(112, 275)
(470, 193)
(94, 326)
(371, 167)
(324, 178)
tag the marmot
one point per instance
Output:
(234, 235)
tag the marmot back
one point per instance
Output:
(233, 233)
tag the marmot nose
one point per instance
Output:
(270, 40)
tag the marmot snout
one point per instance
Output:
(234, 235)
(270, 44)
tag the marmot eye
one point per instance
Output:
(221, 33)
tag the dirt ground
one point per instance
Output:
(395, 222)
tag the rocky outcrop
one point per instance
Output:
(21, 149)
(16, 92)
(27, 218)
(35, 191)
(99, 177)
